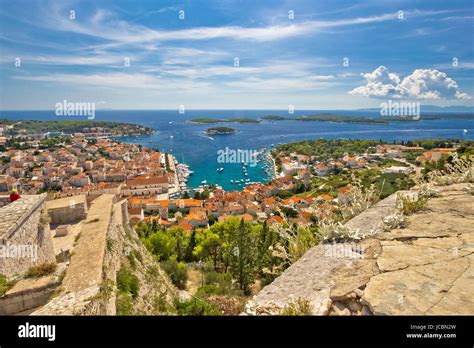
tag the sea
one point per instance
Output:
(188, 143)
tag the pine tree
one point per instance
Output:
(265, 257)
(243, 257)
(189, 257)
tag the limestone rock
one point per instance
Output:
(424, 269)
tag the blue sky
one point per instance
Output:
(400, 50)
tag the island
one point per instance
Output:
(339, 119)
(274, 118)
(114, 129)
(219, 130)
(327, 117)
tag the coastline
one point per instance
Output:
(275, 174)
(178, 139)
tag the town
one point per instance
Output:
(217, 246)
(91, 163)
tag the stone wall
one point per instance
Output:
(25, 238)
(68, 210)
(29, 293)
(89, 287)
(31, 298)
(104, 302)
(94, 263)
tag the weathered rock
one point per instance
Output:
(417, 290)
(348, 279)
(354, 306)
(340, 309)
(371, 220)
(398, 255)
(366, 311)
(371, 247)
(424, 269)
(308, 279)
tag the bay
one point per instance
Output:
(188, 144)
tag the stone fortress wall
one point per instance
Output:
(67, 210)
(25, 238)
(96, 260)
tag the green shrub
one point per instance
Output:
(160, 304)
(138, 256)
(131, 259)
(41, 270)
(161, 244)
(216, 283)
(3, 285)
(411, 206)
(209, 289)
(177, 272)
(196, 307)
(127, 282)
(124, 305)
(300, 307)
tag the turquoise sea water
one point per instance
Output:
(188, 143)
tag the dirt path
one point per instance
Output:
(194, 281)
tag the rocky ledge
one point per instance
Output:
(424, 269)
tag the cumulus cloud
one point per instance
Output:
(420, 84)
(380, 83)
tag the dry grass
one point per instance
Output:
(41, 270)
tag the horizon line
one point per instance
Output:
(226, 109)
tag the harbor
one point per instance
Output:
(243, 174)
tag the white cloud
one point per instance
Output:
(104, 25)
(117, 81)
(431, 84)
(420, 84)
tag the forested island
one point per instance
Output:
(74, 126)
(220, 130)
(327, 118)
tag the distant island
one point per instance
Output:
(274, 118)
(357, 119)
(327, 118)
(220, 130)
(74, 126)
(205, 120)
(339, 119)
